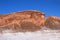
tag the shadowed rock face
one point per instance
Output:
(28, 21)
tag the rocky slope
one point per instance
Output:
(30, 20)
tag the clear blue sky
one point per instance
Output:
(49, 7)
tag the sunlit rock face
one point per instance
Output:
(30, 20)
(53, 23)
(22, 21)
(29, 25)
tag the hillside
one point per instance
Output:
(30, 20)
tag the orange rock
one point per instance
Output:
(30, 20)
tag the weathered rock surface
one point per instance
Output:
(28, 21)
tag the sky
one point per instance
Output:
(49, 7)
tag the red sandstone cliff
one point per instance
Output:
(28, 21)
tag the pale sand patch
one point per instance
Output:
(38, 35)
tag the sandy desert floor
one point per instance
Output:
(38, 35)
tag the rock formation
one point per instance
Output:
(30, 20)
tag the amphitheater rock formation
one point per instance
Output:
(30, 20)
